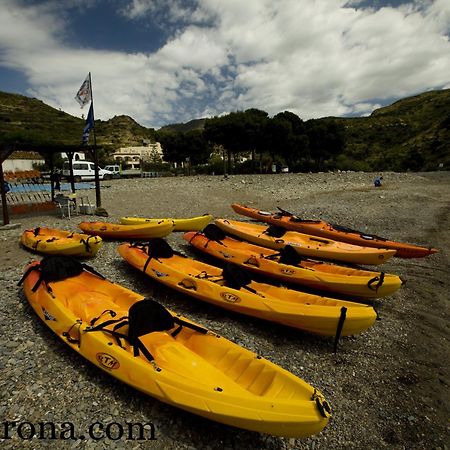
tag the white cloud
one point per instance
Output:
(313, 58)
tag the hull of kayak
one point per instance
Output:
(199, 372)
(335, 232)
(311, 313)
(306, 245)
(189, 224)
(51, 241)
(310, 273)
(116, 231)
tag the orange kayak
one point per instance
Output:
(232, 290)
(336, 232)
(304, 244)
(291, 267)
(116, 231)
(168, 357)
(52, 241)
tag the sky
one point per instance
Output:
(171, 61)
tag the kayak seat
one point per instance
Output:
(289, 256)
(214, 233)
(57, 268)
(275, 231)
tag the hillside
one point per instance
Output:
(24, 119)
(30, 121)
(196, 124)
(411, 133)
(414, 130)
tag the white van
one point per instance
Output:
(114, 169)
(85, 171)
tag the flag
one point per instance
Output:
(84, 95)
(89, 125)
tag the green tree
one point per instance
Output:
(326, 140)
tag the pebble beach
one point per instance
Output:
(388, 387)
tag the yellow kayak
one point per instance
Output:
(52, 241)
(116, 231)
(311, 313)
(304, 244)
(288, 266)
(189, 224)
(163, 355)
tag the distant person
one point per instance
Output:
(57, 180)
(377, 181)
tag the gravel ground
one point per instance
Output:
(388, 387)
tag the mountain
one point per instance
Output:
(25, 120)
(122, 131)
(413, 132)
(196, 124)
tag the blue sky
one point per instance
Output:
(170, 61)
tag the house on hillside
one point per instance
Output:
(131, 157)
(20, 161)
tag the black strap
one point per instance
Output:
(116, 335)
(67, 335)
(198, 233)
(37, 284)
(339, 327)
(103, 325)
(139, 346)
(93, 271)
(35, 245)
(379, 279)
(86, 242)
(175, 333)
(144, 269)
(110, 311)
(187, 324)
(27, 272)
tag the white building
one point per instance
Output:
(22, 161)
(131, 157)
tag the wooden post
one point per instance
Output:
(72, 180)
(52, 176)
(3, 193)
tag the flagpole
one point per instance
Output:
(98, 199)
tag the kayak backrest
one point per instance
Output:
(275, 231)
(57, 268)
(159, 248)
(147, 316)
(214, 233)
(289, 256)
(235, 277)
